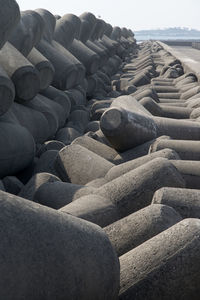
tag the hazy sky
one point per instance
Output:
(134, 14)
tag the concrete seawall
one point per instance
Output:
(189, 57)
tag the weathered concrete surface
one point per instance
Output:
(135, 229)
(165, 267)
(46, 254)
(185, 201)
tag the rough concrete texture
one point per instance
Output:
(123, 168)
(59, 256)
(135, 229)
(78, 165)
(57, 194)
(118, 125)
(190, 171)
(187, 150)
(93, 208)
(10, 16)
(185, 201)
(136, 152)
(134, 190)
(96, 147)
(159, 266)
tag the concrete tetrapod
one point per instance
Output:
(17, 148)
(187, 150)
(50, 145)
(28, 32)
(93, 208)
(185, 201)
(135, 229)
(28, 118)
(178, 129)
(67, 134)
(96, 183)
(78, 165)
(123, 168)
(78, 119)
(80, 73)
(92, 126)
(44, 67)
(77, 96)
(96, 147)
(59, 97)
(36, 181)
(164, 267)
(91, 20)
(129, 103)
(62, 264)
(23, 74)
(86, 56)
(165, 111)
(125, 129)
(37, 104)
(190, 171)
(63, 67)
(100, 137)
(58, 194)
(136, 152)
(49, 107)
(12, 184)
(45, 162)
(67, 28)
(126, 191)
(9, 18)
(66, 74)
(134, 190)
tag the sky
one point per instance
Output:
(133, 14)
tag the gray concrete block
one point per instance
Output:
(67, 134)
(45, 163)
(35, 183)
(96, 147)
(23, 74)
(185, 201)
(67, 251)
(57, 194)
(93, 208)
(119, 125)
(79, 165)
(123, 168)
(186, 149)
(159, 267)
(10, 16)
(134, 190)
(17, 148)
(133, 230)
